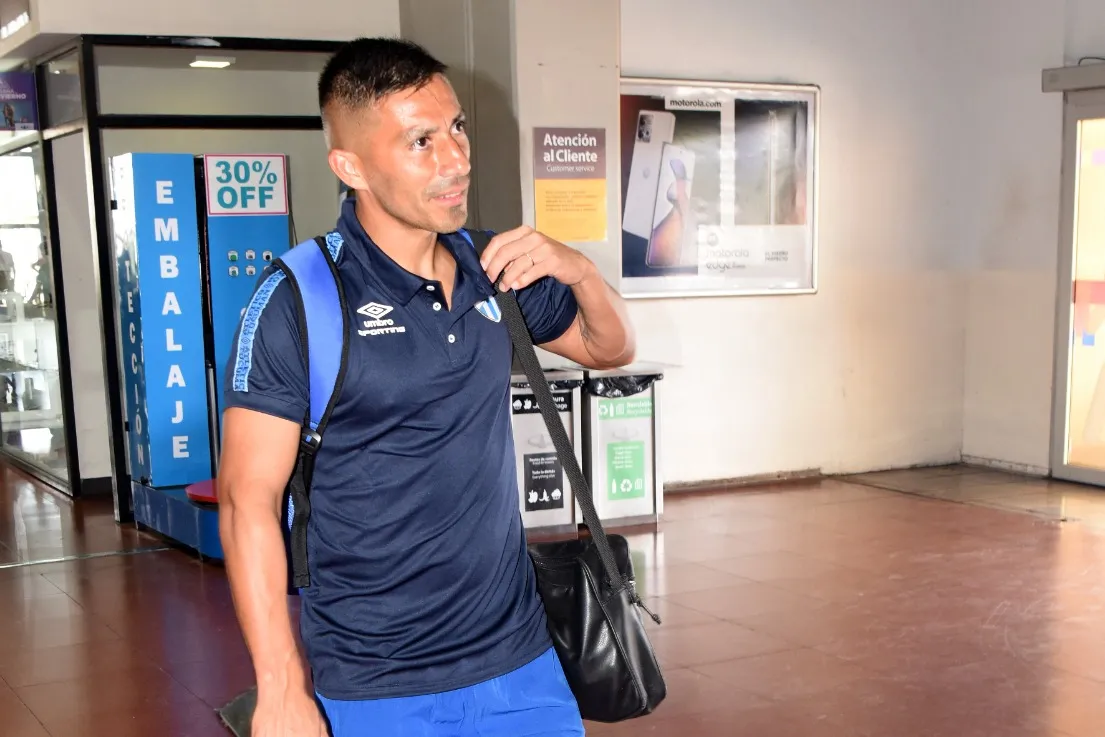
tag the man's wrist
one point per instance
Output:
(281, 675)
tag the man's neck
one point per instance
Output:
(412, 248)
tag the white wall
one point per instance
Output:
(934, 162)
(1011, 319)
(1014, 184)
(318, 19)
(82, 306)
(1085, 29)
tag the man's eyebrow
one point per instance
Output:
(421, 131)
(424, 131)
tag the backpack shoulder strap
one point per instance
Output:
(311, 268)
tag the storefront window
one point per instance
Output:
(64, 103)
(31, 418)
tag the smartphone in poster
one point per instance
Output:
(671, 175)
(654, 130)
(724, 175)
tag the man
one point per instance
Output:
(422, 617)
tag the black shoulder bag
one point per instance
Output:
(586, 584)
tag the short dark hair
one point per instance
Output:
(366, 69)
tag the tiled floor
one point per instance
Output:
(962, 607)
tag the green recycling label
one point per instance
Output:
(628, 408)
(625, 470)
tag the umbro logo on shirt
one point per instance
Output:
(374, 310)
(379, 323)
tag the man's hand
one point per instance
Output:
(601, 335)
(289, 714)
(527, 256)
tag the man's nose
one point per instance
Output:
(453, 159)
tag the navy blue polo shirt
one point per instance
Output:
(420, 579)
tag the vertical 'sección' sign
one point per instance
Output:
(157, 247)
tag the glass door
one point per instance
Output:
(1078, 451)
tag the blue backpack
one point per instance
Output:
(311, 269)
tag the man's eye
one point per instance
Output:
(422, 143)
(461, 126)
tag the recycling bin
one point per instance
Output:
(621, 442)
(546, 496)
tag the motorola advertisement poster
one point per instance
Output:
(718, 188)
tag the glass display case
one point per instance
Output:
(31, 411)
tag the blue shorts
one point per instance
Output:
(532, 701)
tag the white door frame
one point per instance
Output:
(1084, 98)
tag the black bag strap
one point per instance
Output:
(539, 383)
(311, 268)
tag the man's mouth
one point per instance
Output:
(452, 197)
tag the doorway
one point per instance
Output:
(1078, 431)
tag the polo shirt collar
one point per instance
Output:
(400, 283)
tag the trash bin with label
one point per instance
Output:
(546, 497)
(621, 442)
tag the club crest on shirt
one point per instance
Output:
(489, 308)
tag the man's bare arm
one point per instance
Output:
(601, 336)
(258, 456)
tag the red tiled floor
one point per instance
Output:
(744, 600)
(711, 643)
(681, 578)
(89, 661)
(927, 603)
(772, 567)
(94, 699)
(784, 676)
(186, 718)
(16, 718)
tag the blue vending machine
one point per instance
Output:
(192, 236)
(248, 224)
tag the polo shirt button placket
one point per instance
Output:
(436, 305)
(436, 302)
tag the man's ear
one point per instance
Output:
(347, 167)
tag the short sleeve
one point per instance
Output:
(266, 371)
(549, 308)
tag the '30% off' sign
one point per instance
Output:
(246, 185)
